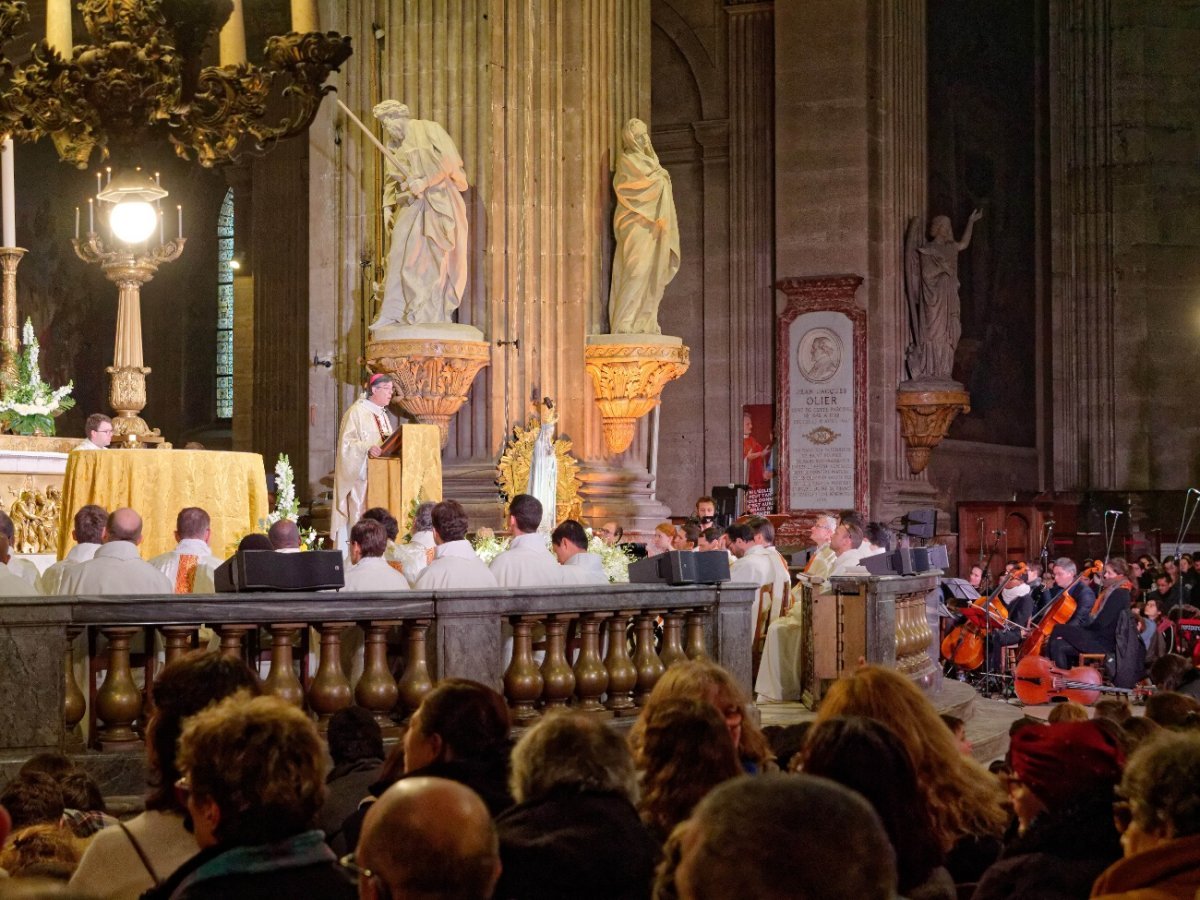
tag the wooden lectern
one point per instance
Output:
(410, 469)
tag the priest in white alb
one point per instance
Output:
(527, 562)
(191, 566)
(88, 532)
(117, 567)
(455, 564)
(365, 426)
(418, 552)
(579, 566)
(370, 572)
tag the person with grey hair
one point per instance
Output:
(778, 837)
(417, 552)
(575, 831)
(1159, 822)
(1065, 571)
(430, 838)
(426, 217)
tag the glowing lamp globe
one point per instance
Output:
(132, 196)
(133, 221)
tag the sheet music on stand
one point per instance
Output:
(958, 588)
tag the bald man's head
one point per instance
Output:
(284, 535)
(123, 525)
(428, 837)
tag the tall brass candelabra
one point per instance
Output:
(129, 270)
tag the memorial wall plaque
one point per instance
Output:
(822, 372)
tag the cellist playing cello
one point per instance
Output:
(1065, 571)
(1018, 599)
(1096, 632)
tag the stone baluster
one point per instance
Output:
(622, 676)
(281, 680)
(694, 634)
(74, 703)
(523, 680)
(672, 643)
(177, 640)
(645, 659)
(591, 678)
(558, 681)
(415, 682)
(118, 702)
(376, 691)
(330, 689)
(232, 638)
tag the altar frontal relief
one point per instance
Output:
(821, 411)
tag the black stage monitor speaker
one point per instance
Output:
(920, 523)
(682, 567)
(270, 570)
(880, 564)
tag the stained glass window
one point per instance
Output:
(225, 308)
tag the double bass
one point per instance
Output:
(1038, 681)
(966, 644)
(1059, 612)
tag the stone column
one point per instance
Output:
(534, 93)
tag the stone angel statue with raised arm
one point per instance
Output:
(427, 219)
(931, 283)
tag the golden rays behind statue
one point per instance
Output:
(513, 471)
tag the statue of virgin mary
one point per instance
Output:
(543, 467)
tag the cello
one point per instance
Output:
(1059, 612)
(966, 645)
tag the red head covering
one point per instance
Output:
(377, 379)
(1063, 762)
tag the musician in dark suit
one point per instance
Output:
(1096, 632)
(1065, 572)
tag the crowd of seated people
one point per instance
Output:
(876, 799)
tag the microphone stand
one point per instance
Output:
(1116, 514)
(1044, 553)
(1185, 522)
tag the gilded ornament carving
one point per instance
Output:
(925, 418)
(628, 380)
(34, 515)
(142, 78)
(513, 471)
(432, 376)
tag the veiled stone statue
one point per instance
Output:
(424, 209)
(647, 234)
(931, 282)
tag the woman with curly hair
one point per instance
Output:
(702, 679)
(965, 799)
(685, 752)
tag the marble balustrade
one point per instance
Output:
(601, 654)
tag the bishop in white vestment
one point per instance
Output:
(366, 425)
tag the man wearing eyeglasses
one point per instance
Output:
(460, 853)
(99, 431)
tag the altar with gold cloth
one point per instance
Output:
(231, 487)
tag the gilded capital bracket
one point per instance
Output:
(432, 376)
(925, 418)
(628, 380)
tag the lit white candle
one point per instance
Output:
(108, 170)
(58, 26)
(8, 186)
(99, 183)
(304, 16)
(180, 209)
(233, 37)
(77, 223)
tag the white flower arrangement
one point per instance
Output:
(30, 405)
(286, 504)
(487, 546)
(613, 557)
